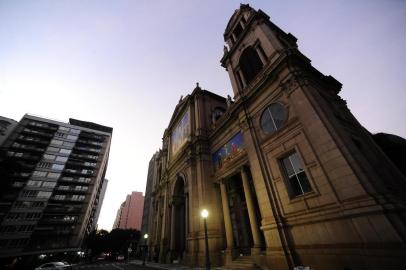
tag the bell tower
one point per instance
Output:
(324, 186)
(253, 43)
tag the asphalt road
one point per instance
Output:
(106, 265)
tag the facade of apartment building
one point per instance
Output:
(129, 215)
(52, 182)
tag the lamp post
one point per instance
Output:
(204, 215)
(145, 249)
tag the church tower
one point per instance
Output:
(328, 196)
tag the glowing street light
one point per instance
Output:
(204, 215)
(145, 248)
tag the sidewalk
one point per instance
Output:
(172, 266)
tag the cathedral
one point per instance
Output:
(287, 174)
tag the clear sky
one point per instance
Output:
(125, 64)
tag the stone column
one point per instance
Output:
(163, 251)
(227, 224)
(172, 240)
(227, 217)
(261, 56)
(251, 211)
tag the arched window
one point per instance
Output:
(216, 114)
(250, 64)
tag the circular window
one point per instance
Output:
(273, 117)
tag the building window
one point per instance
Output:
(216, 114)
(18, 184)
(92, 164)
(237, 30)
(60, 134)
(69, 218)
(65, 151)
(49, 157)
(78, 197)
(84, 180)
(59, 197)
(68, 144)
(29, 193)
(53, 175)
(44, 165)
(39, 174)
(44, 194)
(72, 137)
(56, 142)
(296, 176)
(57, 167)
(52, 149)
(250, 64)
(75, 131)
(61, 159)
(81, 188)
(61, 128)
(33, 183)
(49, 184)
(273, 118)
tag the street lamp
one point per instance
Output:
(145, 249)
(204, 215)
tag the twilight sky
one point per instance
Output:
(125, 64)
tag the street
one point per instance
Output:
(106, 265)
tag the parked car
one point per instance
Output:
(55, 266)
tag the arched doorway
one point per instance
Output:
(250, 64)
(178, 235)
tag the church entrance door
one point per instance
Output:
(178, 237)
(239, 215)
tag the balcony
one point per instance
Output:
(23, 156)
(37, 132)
(27, 147)
(69, 189)
(91, 143)
(91, 136)
(45, 126)
(86, 149)
(59, 220)
(79, 172)
(59, 208)
(20, 175)
(81, 164)
(84, 157)
(32, 140)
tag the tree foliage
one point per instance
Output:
(115, 242)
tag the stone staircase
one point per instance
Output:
(240, 263)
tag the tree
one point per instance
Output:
(115, 242)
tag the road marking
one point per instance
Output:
(118, 267)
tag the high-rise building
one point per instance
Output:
(288, 175)
(148, 207)
(118, 216)
(51, 184)
(6, 127)
(129, 215)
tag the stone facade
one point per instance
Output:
(288, 175)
